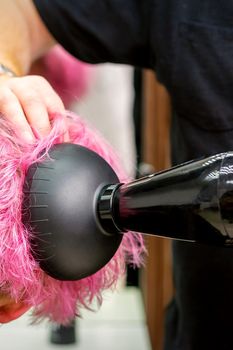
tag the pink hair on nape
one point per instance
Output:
(20, 274)
(69, 77)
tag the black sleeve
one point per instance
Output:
(100, 30)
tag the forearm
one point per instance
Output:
(23, 36)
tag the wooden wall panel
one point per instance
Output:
(157, 278)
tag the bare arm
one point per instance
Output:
(27, 101)
(23, 36)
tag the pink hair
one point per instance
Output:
(20, 275)
(70, 77)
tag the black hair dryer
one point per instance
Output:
(79, 211)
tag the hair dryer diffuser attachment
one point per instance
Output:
(62, 201)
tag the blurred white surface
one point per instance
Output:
(108, 107)
(119, 324)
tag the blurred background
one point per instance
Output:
(132, 111)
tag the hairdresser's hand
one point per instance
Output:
(29, 102)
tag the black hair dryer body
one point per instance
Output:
(79, 211)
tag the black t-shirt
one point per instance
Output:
(188, 43)
(100, 31)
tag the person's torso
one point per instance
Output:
(193, 45)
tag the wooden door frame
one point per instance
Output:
(156, 278)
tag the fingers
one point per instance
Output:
(34, 110)
(49, 97)
(11, 107)
(54, 105)
(38, 101)
(29, 102)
